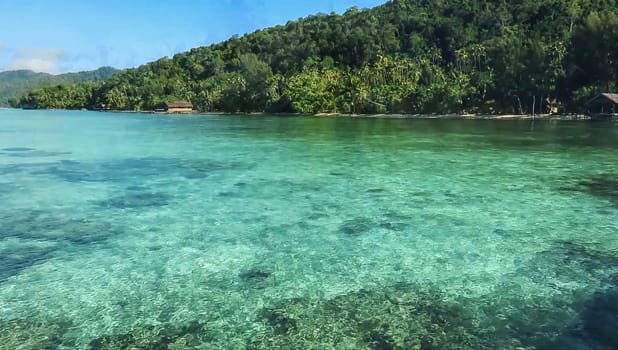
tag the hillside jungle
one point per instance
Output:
(406, 56)
(18, 82)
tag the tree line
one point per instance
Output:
(13, 84)
(406, 56)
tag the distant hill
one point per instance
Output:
(406, 56)
(18, 82)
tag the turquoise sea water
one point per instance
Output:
(144, 231)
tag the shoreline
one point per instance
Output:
(564, 117)
(463, 116)
(579, 117)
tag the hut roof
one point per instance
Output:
(179, 104)
(609, 96)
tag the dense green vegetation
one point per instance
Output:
(406, 56)
(16, 83)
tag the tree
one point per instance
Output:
(406, 56)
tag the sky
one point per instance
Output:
(58, 36)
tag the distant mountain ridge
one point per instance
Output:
(18, 82)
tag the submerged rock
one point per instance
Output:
(40, 225)
(17, 149)
(15, 259)
(602, 186)
(89, 232)
(595, 327)
(394, 225)
(122, 170)
(380, 341)
(280, 322)
(393, 318)
(356, 226)
(256, 278)
(255, 275)
(73, 172)
(361, 225)
(502, 233)
(26, 152)
(227, 194)
(137, 188)
(600, 320)
(566, 260)
(36, 153)
(570, 319)
(161, 337)
(135, 200)
(28, 334)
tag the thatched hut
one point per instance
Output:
(178, 107)
(603, 105)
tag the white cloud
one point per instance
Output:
(38, 60)
(1, 46)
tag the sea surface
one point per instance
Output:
(140, 231)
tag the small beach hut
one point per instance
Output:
(603, 105)
(178, 107)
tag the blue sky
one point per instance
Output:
(58, 36)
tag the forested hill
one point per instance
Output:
(16, 83)
(406, 56)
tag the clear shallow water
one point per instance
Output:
(146, 231)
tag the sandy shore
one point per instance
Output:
(416, 116)
(462, 116)
(385, 115)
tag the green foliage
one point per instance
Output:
(595, 62)
(61, 96)
(15, 83)
(313, 91)
(406, 56)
